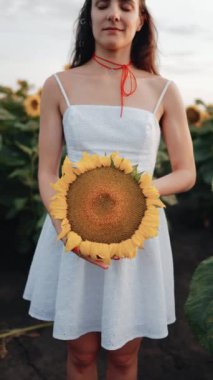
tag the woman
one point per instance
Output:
(114, 58)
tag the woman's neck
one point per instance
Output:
(119, 57)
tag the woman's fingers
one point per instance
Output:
(96, 262)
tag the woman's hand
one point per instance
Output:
(96, 262)
(57, 225)
(99, 263)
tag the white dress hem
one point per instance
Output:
(141, 333)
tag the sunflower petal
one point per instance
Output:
(155, 202)
(126, 247)
(126, 166)
(76, 171)
(113, 249)
(114, 154)
(67, 165)
(65, 222)
(153, 224)
(81, 166)
(149, 232)
(95, 250)
(64, 231)
(151, 210)
(58, 214)
(151, 191)
(57, 196)
(96, 161)
(150, 215)
(104, 251)
(60, 185)
(69, 177)
(105, 161)
(132, 253)
(73, 240)
(85, 247)
(138, 237)
(145, 180)
(136, 240)
(59, 203)
(142, 244)
(89, 161)
(117, 161)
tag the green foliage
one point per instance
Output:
(198, 307)
(19, 196)
(199, 199)
(202, 137)
(19, 193)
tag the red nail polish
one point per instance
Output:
(76, 250)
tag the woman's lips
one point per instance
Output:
(112, 30)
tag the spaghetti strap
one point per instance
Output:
(161, 95)
(62, 89)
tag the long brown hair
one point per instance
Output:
(144, 44)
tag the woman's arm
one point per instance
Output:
(176, 134)
(50, 142)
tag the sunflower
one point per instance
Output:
(210, 109)
(32, 105)
(196, 115)
(105, 206)
(67, 66)
(39, 92)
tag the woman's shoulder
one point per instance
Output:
(72, 71)
(158, 79)
(155, 82)
(52, 77)
(50, 83)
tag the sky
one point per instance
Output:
(37, 38)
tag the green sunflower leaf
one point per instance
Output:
(198, 307)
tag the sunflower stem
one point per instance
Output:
(20, 331)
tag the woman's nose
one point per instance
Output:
(114, 13)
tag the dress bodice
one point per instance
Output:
(99, 129)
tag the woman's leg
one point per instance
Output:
(123, 363)
(82, 357)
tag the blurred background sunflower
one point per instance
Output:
(32, 104)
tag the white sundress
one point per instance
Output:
(134, 297)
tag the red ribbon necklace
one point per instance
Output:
(125, 72)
